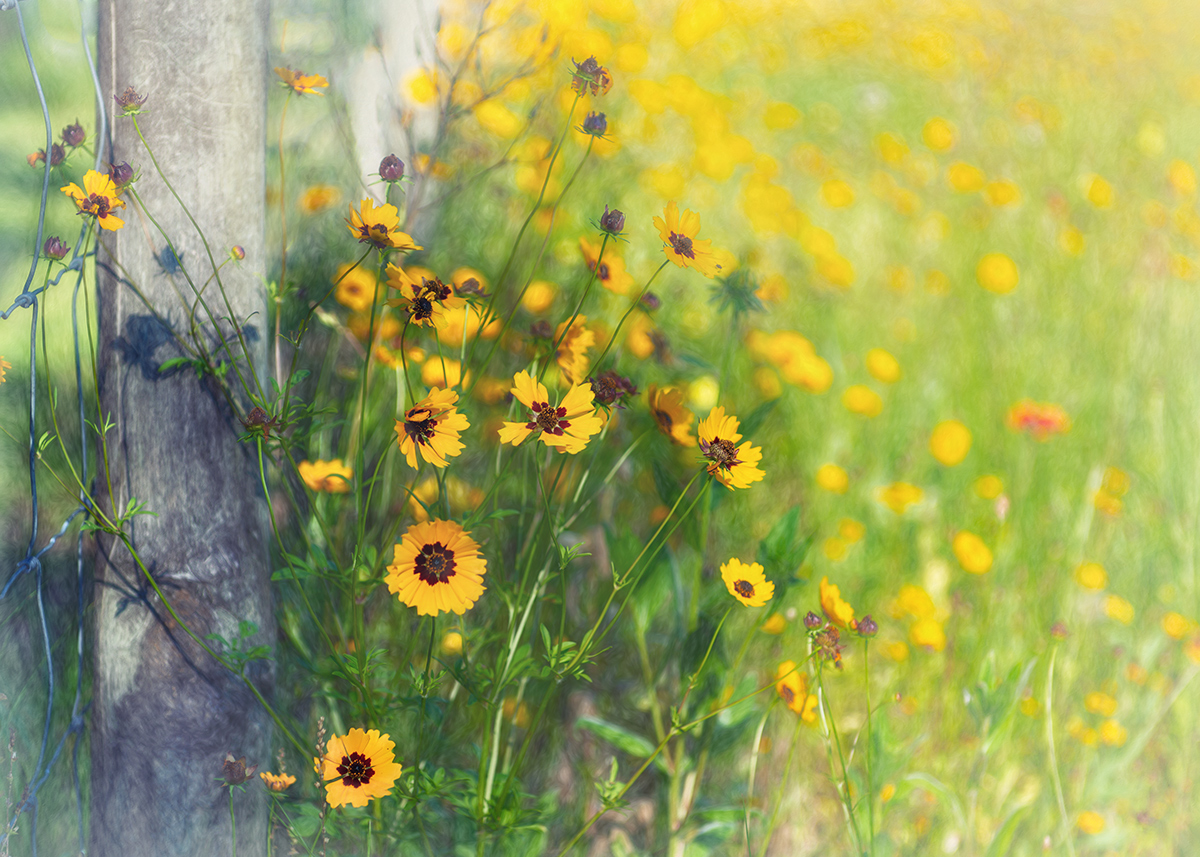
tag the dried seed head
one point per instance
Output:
(74, 135)
(129, 101)
(234, 771)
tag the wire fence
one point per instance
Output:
(30, 569)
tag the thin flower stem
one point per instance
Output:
(578, 306)
(1058, 790)
(787, 770)
(232, 821)
(632, 306)
(696, 675)
(867, 749)
(831, 726)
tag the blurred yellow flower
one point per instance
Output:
(895, 651)
(1040, 419)
(277, 782)
(573, 346)
(836, 610)
(1090, 822)
(767, 382)
(1176, 626)
(1118, 608)
(1182, 177)
(928, 633)
(937, 283)
(318, 198)
(899, 496)
(442, 372)
(539, 296)
(780, 116)
(913, 601)
(891, 148)
(1030, 707)
(1099, 702)
(775, 625)
(997, 273)
(834, 548)
(973, 555)
(452, 643)
(1002, 192)
(851, 530)
(939, 134)
(672, 418)
(1099, 192)
(862, 400)
(1091, 575)
(1072, 241)
(497, 119)
(301, 83)
(950, 442)
(1113, 733)
(331, 476)
(988, 486)
(356, 288)
(792, 686)
(965, 178)
(422, 86)
(837, 194)
(833, 478)
(883, 366)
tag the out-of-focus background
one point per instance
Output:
(975, 230)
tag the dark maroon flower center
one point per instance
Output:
(602, 272)
(721, 453)
(376, 233)
(422, 308)
(682, 245)
(435, 564)
(419, 425)
(548, 419)
(355, 770)
(788, 694)
(664, 420)
(97, 204)
(744, 588)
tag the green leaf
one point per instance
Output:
(620, 737)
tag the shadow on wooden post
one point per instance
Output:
(165, 713)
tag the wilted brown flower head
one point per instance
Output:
(57, 153)
(589, 74)
(129, 100)
(609, 388)
(828, 644)
(470, 287)
(234, 771)
(74, 135)
(612, 222)
(391, 169)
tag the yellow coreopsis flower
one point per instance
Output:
(678, 233)
(567, 426)
(331, 476)
(611, 270)
(98, 198)
(792, 687)
(379, 227)
(427, 301)
(437, 569)
(899, 496)
(277, 782)
(356, 288)
(301, 83)
(747, 583)
(673, 419)
(358, 766)
(973, 555)
(731, 465)
(836, 610)
(432, 427)
(573, 346)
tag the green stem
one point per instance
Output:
(637, 301)
(232, 822)
(1058, 790)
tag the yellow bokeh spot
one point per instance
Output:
(833, 478)
(1182, 268)
(899, 496)
(988, 486)
(883, 366)
(1175, 626)
(928, 633)
(1030, 707)
(452, 643)
(1098, 702)
(1072, 241)
(498, 119)
(997, 273)
(1151, 140)
(837, 194)
(950, 442)
(862, 400)
(539, 296)
(896, 651)
(631, 58)
(891, 148)
(965, 178)
(703, 393)
(834, 549)
(851, 530)
(780, 116)
(667, 181)
(696, 20)
(1182, 177)
(1116, 607)
(1113, 733)
(1002, 192)
(973, 555)
(888, 791)
(939, 134)
(1091, 575)
(899, 278)
(422, 86)
(438, 372)
(1090, 822)
(776, 624)
(767, 382)
(1099, 192)
(937, 282)
(836, 269)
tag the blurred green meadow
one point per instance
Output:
(967, 260)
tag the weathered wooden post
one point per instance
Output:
(164, 712)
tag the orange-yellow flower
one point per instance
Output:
(98, 199)
(792, 687)
(428, 302)
(437, 569)
(567, 426)
(573, 346)
(678, 233)
(673, 419)
(4, 364)
(747, 583)
(899, 496)
(731, 465)
(1040, 419)
(358, 766)
(318, 198)
(432, 426)
(950, 442)
(356, 287)
(277, 782)
(379, 227)
(611, 273)
(836, 610)
(973, 555)
(301, 83)
(331, 476)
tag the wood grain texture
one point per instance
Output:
(164, 712)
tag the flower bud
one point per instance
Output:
(867, 626)
(541, 329)
(74, 135)
(129, 101)
(812, 621)
(55, 248)
(651, 301)
(121, 173)
(238, 252)
(595, 124)
(613, 221)
(234, 771)
(1059, 631)
(391, 169)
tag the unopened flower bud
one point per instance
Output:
(812, 621)
(612, 222)
(55, 248)
(595, 124)
(541, 329)
(74, 135)
(238, 252)
(234, 771)
(651, 301)
(391, 169)
(121, 173)
(57, 153)
(867, 626)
